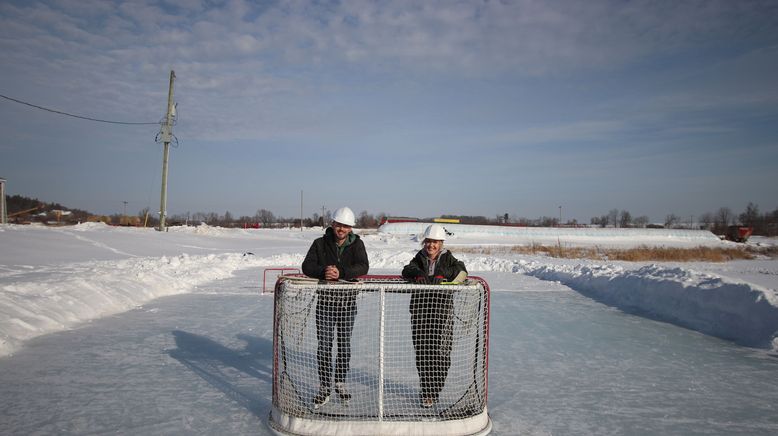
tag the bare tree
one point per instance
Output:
(723, 219)
(750, 217)
(366, 220)
(706, 220)
(601, 221)
(143, 214)
(199, 217)
(641, 221)
(672, 220)
(625, 219)
(546, 221)
(613, 217)
(227, 219)
(771, 223)
(265, 217)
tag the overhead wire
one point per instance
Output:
(72, 115)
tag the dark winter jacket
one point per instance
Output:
(447, 266)
(351, 259)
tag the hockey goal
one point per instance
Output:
(380, 356)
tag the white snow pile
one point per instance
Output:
(54, 298)
(567, 235)
(742, 312)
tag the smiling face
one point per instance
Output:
(341, 231)
(433, 247)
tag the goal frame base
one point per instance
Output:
(283, 424)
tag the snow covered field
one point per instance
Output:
(73, 280)
(54, 278)
(571, 236)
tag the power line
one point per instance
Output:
(71, 115)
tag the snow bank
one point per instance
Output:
(742, 312)
(55, 298)
(571, 236)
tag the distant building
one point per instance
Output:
(397, 219)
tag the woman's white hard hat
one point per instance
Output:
(436, 232)
(345, 216)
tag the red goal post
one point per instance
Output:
(418, 357)
(281, 271)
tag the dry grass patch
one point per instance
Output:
(697, 254)
(638, 254)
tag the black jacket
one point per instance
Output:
(447, 266)
(351, 263)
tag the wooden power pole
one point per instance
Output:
(3, 207)
(167, 134)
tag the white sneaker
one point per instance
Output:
(320, 399)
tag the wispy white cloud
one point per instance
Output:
(578, 131)
(411, 76)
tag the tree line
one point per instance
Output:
(25, 209)
(765, 224)
(264, 218)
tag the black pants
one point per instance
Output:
(432, 328)
(334, 312)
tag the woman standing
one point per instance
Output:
(432, 311)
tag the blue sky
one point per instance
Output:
(415, 108)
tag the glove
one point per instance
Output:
(438, 280)
(422, 280)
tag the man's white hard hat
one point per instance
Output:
(345, 216)
(436, 232)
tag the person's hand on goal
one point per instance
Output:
(422, 280)
(331, 272)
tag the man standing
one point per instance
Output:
(338, 255)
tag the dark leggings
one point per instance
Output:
(334, 312)
(432, 330)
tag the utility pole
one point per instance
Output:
(301, 210)
(560, 216)
(167, 134)
(125, 208)
(322, 216)
(3, 207)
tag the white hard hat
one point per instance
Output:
(345, 216)
(436, 232)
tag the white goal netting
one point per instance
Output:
(380, 356)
